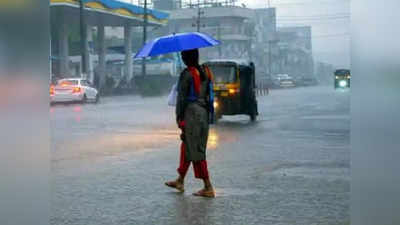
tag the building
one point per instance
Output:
(297, 37)
(265, 44)
(295, 51)
(245, 33)
(231, 25)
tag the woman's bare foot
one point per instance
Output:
(206, 192)
(176, 184)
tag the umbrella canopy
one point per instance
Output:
(176, 43)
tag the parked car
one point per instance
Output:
(283, 81)
(73, 90)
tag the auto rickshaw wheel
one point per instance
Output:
(254, 112)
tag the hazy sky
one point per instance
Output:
(330, 21)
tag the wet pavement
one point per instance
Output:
(110, 160)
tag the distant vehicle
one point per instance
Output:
(283, 81)
(342, 78)
(298, 80)
(73, 90)
(234, 87)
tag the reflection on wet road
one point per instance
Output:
(109, 162)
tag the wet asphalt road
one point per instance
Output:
(110, 160)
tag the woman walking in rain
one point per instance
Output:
(192, 116)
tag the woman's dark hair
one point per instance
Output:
(191, 58)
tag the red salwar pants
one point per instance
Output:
(200, 167)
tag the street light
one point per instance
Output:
(83, 36)
(144, 37)
(269, 40)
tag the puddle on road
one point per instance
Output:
(112, 144)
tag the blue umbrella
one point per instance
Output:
(176, 43)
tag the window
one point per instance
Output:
(67, 82)
(85, 83)
(223, 74)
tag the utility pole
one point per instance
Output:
(199, 13)
(83, 34)
(219, 38)
(144, 37)
(250, 29)
(269, 39)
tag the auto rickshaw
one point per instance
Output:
(234, 88)
(342, 78)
